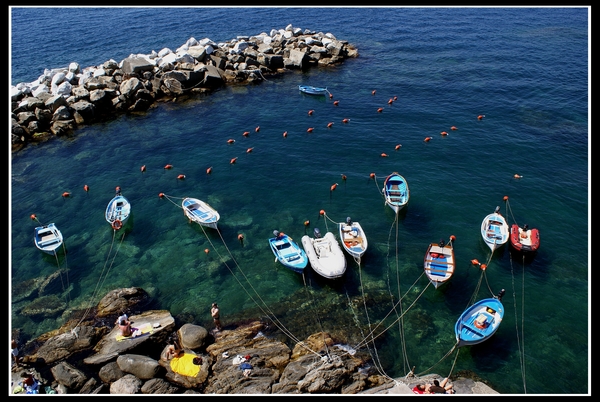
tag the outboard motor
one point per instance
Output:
(497, 210)
(349, 221)
(276, 233)
(525, 227)
(317, 233)
(500, 294)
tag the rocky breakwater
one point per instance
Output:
(85, 356)
(63, 99)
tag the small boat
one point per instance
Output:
(494, 230)
(480, 321)
(353, 238)
(310, 90)
(524, 239)
(325, 254)
(287, 252)
(200, 212)
(48, 238)
(396, 192)
(439, 262)
(118, 210)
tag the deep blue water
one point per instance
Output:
(525, 69)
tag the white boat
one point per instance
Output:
(494, 230)
(353, 238)
(117, 210)
(439, 262)
(324, 254)
(48, 238)
(311, 90)
(200, 212)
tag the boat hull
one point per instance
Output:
(288, 253)
(353, 239)
(396, 192)
(200, 212)
(524, 240)
(48, 238)
(494, 230)
(439, 263)
(479, 322)
(118, 208)
(325, 255)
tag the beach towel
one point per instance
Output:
(184, 365)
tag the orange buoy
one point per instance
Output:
(427, 139)
(505, 198)
(335, 103)
(333, 186)
(181, 177)
(246, 133)
(322, 212)
(168, 166)
(230, 141)
(453, 128)
(384, 155)
(398, 147)
(232, 161)
(86, 187)
(373, 92)
(344, 177)
(206, 250)
(516, 176)
(395, 98)
(249, 150)
(310, 112)
(475, 262)
(483, 267)
(285, 134)
(143, 168)
(257, 129)
(310, 130)
(161, 195)
(209, 170)
(307, 223)
(452, 237)
(330, 95)
(444, 133)
(66, 194)
(372, 175)
(33, 217)
(390, 101)
(240, 237)
(345, 120)
(329, 124)
(380, 110)
(480, 117)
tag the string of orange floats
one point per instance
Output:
(476, 262)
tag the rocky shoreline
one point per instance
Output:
(84, 356)
(63, 99)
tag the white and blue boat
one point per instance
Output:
(494, 230)
(310, 90)
(287, 252)
(480, 321)
(396, 192)
(48, 238)
(200, 212)
(117, 210)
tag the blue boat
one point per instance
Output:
(288, 252)
(480, 321)
(310, 90)
(396, 192)
(494, 230)
(117, 210)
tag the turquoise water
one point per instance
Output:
(525, 69)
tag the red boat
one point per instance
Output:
(524, 239)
